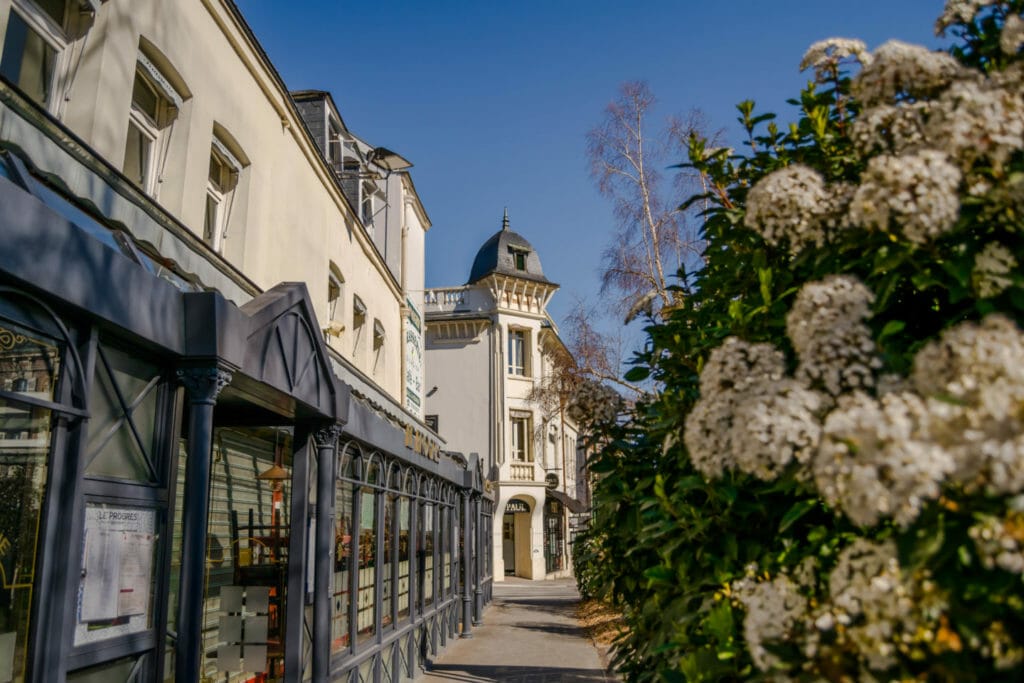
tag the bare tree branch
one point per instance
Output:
(653, 239)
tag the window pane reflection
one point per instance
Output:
(27, 366)
(342, 567)
(426, 556)
(247, 555)
(404, 520)
(365, 626)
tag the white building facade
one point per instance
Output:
(492, 352)
(212, 459)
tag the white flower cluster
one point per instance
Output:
(974, 120)
(889, 129)
(749, 417)
(898, 70)
(1012, 36)
(973, 378)
(833, 343)
(874, 608)
(916, 193)
(825, 56)
(776, 427)
(1000, 542)
(786, 206)
(992, 268)
(959, 12)
(738, 366)
(877, 605)
(876, 458)
(773, 608)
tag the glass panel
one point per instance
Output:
(341, 595)
(426, 557)
(117, 670)
(389, 538)
(210, 219)
(404, 551)
(114, 448)
(310, 560)
(27, 365)
(27, 60)
(55, 9)
(554, 536)
(144, 97)
(24, 445)
(365, 626)
(218, 172)
(446, 544)
(174, 575)
(136, 155)
(247, 555)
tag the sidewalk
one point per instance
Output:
(529, 635)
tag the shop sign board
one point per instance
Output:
(516, 505)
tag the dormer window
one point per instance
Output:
(518, 257)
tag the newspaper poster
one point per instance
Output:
(114, 594)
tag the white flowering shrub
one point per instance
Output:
(830, 484)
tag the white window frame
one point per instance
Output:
(521, 437)
(158, 132)
(335, 303)
(518, 354)
(57, 37)
(221, 194)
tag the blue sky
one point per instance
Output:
(491, 100)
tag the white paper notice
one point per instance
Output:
(102, 575)
(117, 560)
(136, 574)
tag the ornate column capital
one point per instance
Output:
(327, 436)
(203, 384)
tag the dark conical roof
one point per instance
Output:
(504, 252)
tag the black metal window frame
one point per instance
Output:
(404, 642)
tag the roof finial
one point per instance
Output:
(504, 221)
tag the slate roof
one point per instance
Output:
(497, 255)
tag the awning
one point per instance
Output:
(575, 506)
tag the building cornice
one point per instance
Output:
(244, 43)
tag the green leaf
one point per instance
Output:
(891, 328)
(637, 373)
(719, 622)
(764, 277)
(798, 510)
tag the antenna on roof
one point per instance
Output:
(504, 221)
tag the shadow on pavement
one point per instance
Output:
(515, 674)
(561, 629)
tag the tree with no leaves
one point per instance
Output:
(653, 238)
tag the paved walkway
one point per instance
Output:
(529, 635)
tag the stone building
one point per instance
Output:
(493, 355)
(212, 459)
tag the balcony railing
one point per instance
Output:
(522, 472)
(444, 298)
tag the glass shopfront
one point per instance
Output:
(554, 535)
(30, 367)
(247, 554)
